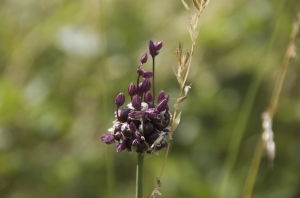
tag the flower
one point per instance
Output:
(141, 126)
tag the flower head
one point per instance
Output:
(141, 125)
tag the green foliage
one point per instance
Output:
(63, 62)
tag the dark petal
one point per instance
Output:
(150, 139)
(151, 47)
(121, 146)
(135, 142)
(144, 58)
(147, 74)
(118, 135)
(161, 96)
(127, 133)
(136, 115)
(148, 97)
(120, 99)
(132, 127)
(161, 121)
(123, 116)
(108, 138)
(145, 86)
(136, 102)
(131, 89)
(162, 105)
(158, 45)
(139, 70)
(148, 128)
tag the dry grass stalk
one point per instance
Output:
(184, 64)
(267, 141)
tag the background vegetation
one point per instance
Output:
(62, 62)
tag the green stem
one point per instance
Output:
(139, 176)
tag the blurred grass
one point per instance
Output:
(63, 62)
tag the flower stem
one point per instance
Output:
(153, 89)
(139, 176)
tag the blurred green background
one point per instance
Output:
(62, 62)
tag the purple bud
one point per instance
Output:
(161, 96)
(131, 89)
(120, 99)
(108, 138)
(144, 58)
(121, 146)
(151, 47)
(162, 105)
(139, 70)
(132, 127)
(167, 97)
(147, 74)
(136, 115)
(118, 136)
(145, 86)
(136, 102)
(148, 97)
(123, 114)
(135, 142)
(158, 46)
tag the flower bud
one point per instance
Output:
(118, 136)
(131, 89)
(121, 146)
(158, 46)
(162, 105)
(136, 102)
(132, 127)
(147, 74)
(120, 99)
(148, 97)
(135, 142)
(108, 138)
(123, 114)
(167, 97)
(151, 47)
(161, 96)
(139, 70)
(144, 58)
(136, 115)
(145, 86)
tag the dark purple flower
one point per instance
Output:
(144, 58)
(158, 46)
(123, 114)
(121, 146)
(131, 89)
(147, 74)
(135, 142)
(132, 127)
(162, 105)
(139, 70)
(136, 115)
(108, 138)
(161, 96)
(136, 102)
(120, 99)
(151, 47)
(148, 97)
(118, 135)
(145, 86)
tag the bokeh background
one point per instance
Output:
(62, 62)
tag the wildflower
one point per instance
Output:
(141, 125)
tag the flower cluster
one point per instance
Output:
(142, 125)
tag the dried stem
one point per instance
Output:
(269, 113)
(184, 64)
